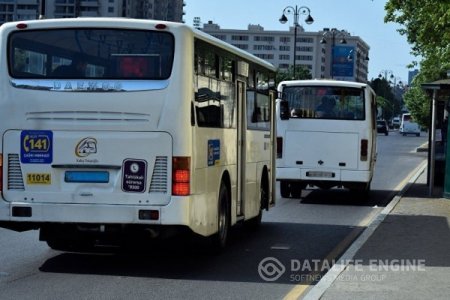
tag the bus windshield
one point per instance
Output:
(325, 102)
(91, 53)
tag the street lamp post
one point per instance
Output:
(296, 11)
(384, 74)
(333, 33)
(390, 78)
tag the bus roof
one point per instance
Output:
(129, 23)
(326, 82)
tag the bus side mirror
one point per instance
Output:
(284, 110)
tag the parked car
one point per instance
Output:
(396, 122)
(382, 127)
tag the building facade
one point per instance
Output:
(411, 75)
(167, 10)
(319, 52)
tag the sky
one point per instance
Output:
(389, 52)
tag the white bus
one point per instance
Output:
(125, 126)
(326, 135)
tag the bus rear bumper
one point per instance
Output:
(175, 213)
(312, 175)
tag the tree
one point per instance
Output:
(301, 73)
(386, 99)
(425, 24)
(418, 104)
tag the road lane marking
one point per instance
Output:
(370, 222)
(280, 247)
(299, 289)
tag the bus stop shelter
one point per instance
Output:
(438, 165)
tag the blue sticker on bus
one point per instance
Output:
(213, 152)
(36, 147)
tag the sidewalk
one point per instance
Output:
(403, 254)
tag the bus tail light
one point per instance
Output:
(279, 147)
(364, 149)
(181, 176)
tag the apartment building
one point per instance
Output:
(168, 10)
(347, 61)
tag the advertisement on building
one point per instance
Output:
(343, 64)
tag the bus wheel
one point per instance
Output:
(219, 240)
(296, 190)
(263, 203)
(284, 189)
(363, 191)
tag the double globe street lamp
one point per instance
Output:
(296, 11)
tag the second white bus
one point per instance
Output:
(326, 135)
(118, 127)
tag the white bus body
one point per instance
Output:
(408, 126)
(325, 149)
(168, 128)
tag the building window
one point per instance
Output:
(263, 38)
(220, 36)
(285, 48)
(239, 38)
(304, 57)
(285, 39)
(241, 46)
(263, 47)
(305, 49)
(284, 57)
(264, 56)
(305, 40)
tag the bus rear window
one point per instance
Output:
(91, 53)
(325, 102)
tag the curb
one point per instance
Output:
(328, 279)
(422, 148)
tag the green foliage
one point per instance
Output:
(426, 25)
(418, 104)
(301, 73)
(385, 98)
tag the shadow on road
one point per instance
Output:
(380, 198)
(242, 261)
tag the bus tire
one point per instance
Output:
(264, 203)
(363, 191)
(296, 190)
(219, 240)
(284, 189)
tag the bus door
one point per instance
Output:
(273, 150)
(241, 146)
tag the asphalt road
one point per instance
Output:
(320, 225)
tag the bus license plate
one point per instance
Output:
(86, 176)
(320, 174)
(39, 178)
